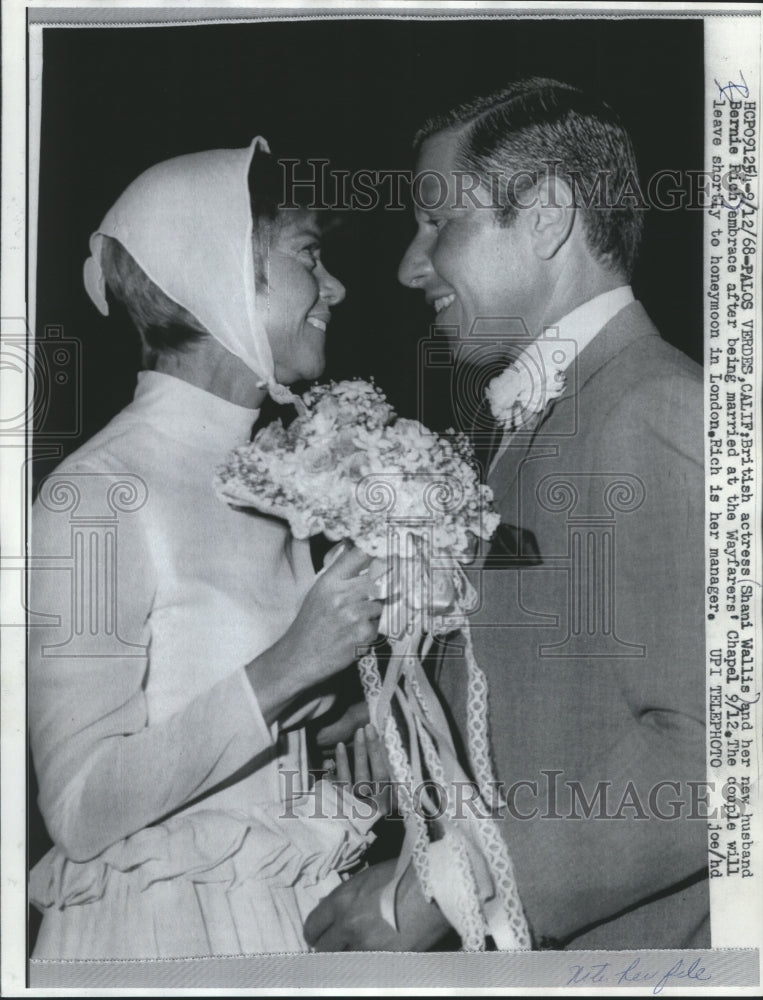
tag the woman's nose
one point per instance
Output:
(332, 289)
(415, 265)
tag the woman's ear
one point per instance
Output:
(553, 216)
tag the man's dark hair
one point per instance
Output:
(534, 123)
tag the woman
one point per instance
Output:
(167, 694)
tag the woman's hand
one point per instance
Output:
(370, 781)
(343, 728)
(339, 615)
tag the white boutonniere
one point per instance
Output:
(523, 390)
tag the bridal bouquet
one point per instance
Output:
(348, 467)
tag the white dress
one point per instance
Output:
(183, 825)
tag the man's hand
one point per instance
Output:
(349, 919)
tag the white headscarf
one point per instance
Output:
(187, 222)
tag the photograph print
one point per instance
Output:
(366, 594)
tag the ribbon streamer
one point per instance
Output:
(461, 861)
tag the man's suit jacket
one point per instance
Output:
(595, 656)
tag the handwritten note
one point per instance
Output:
(640, 972)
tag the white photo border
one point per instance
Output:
(732, 42)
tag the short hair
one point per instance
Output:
(535, 122)
(162, 323)
(265, 187)
(272, 212)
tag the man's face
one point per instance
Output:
(468, 265)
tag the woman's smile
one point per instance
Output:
(300, 293)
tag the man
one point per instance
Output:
(592, 634)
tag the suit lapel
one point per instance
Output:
(505, 472)
(623, 330)
(630, 324)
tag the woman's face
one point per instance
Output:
(299, 294)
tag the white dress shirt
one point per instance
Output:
(562, 343)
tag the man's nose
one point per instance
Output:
(415, 266)
(332, 289)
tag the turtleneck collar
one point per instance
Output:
(191, 415)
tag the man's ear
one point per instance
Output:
(553, 216)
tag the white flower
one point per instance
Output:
(348, 467)
(524, 389)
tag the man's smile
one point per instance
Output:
(443, 302)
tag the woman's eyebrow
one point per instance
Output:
(303, 234)
(312, 232)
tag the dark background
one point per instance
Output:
(119, 100)
(116, 101)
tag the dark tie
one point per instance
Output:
(511, 547)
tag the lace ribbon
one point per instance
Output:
(461, 861)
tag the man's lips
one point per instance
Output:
(442, 301)
(318, 322)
